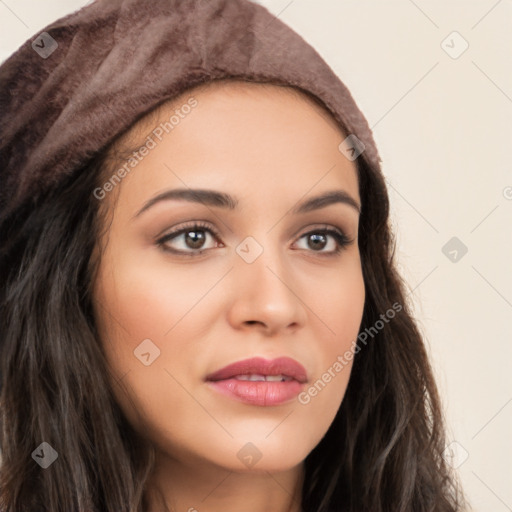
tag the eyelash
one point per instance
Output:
(342, 240)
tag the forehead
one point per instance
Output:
(228, 94)
(258, 138)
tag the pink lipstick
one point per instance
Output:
(259, 381)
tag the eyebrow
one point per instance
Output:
(223, 200)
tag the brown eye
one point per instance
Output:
(317, 241)
(194, 239)
(332, 239)
(189, 240)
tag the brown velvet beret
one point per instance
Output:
(71, 89)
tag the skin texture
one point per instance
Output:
(271, 148)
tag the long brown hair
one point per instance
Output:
(382, 452)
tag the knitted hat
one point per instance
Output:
(73, 88)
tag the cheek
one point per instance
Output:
(339, 306)
(145, 301)
(344, 304)
(146, 307)
(140, 308)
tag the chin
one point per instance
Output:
(264, 456)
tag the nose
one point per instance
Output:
(264, 295)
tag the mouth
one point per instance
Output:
(259, 369)
(263, 378)
(259, 381)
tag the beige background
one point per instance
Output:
(443, 126)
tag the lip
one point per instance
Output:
(262, 393)
(259, 366)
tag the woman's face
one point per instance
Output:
(259, 278)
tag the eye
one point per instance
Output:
(318, 240)
(188, 240)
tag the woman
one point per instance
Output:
(200, 307)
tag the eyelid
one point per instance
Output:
(325, 227)
(187, 225)
(184, 228)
